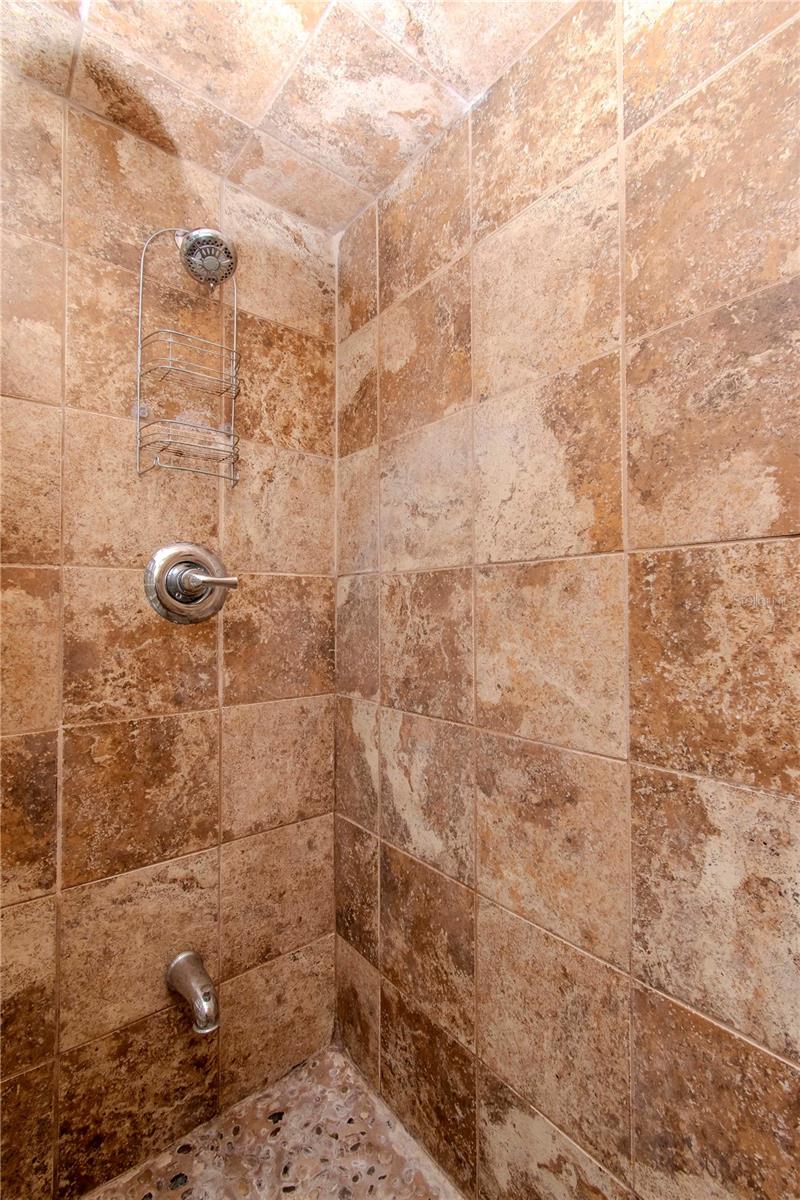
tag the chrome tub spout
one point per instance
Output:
(187, 976)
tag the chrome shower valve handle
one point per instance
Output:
(186, 583)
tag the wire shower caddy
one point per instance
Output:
(201, 368)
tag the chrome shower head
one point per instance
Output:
(207, 255)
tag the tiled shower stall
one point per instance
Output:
(489, 770)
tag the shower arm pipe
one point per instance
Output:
(174, 230)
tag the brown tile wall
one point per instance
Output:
(164, 786)
(568, 627)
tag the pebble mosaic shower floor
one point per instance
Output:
(319, 1132)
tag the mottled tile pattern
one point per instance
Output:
(320, 1131)
(30, 662)
(714, 668)
(357, 278)
(32, 324)
(357, 761)
(135, 792)
(30, 482)
(357, 598)
(714, 1115)
(118, 936)
(428, 941)
(546, 286)
(553, 111)
(553, 841)
(28, 984)
(547, 460)
(358, 106)
(550, 652)
(423, 218)
(126, 1096)
(32, 149)
(277, 764)
(357, 390)
(425, 353)
(276, 892)
(426, 643)
(427, 781)
(428, 1079)
(554, 1025)
(672, 45)
(742, 183)
(292, 618)
(357, 512)
(713, 434)
(26, 1166)
(357, 888)
(426, 497)
(523, 1156)
(275, 1016)
(296, 184)
(715, 909)
(28, 795)
(358, 988)
(38, 42)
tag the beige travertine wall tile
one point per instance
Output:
(28, 792)
(358, 106)
(38, 41)
(554, 841)
(121, 659)
(26, 1168)
(357, 512)
(427, 786)
(259, 40)
(672, 45)
(296, 184)
(465, 45)
(114, 517)
(29, 984)
(357, 761)
(357, 390)
(287, 391)
(121, 189)
(358, 988)
(710, 1110)
(119, 1101)
(275, 1016)
(428, 1079)
(30, 662)
(292, 620)
(425, 353)
(32, 149)
(428, 941)
(713, 429)
(357, 635)
(426, 643)
(286, 270)
(276, 892)
(119, 934)
(125, 91)
(356, 875)
(357, 279)
(523, 1155)
(427, 496)
(277, 764)
(423, 218)
(550, 652)
(32, 320)
(546, 286)
(724, 160)
(279, 517)
(553, 111)
(554, 1025)
(136, 792)
(30, 483)
(547, 460)
(714, 661)
(715, 912)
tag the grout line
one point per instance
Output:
(336, 246)
(379, 788)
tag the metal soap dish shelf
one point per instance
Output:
(200, 368)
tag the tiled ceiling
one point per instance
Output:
(312, 107)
